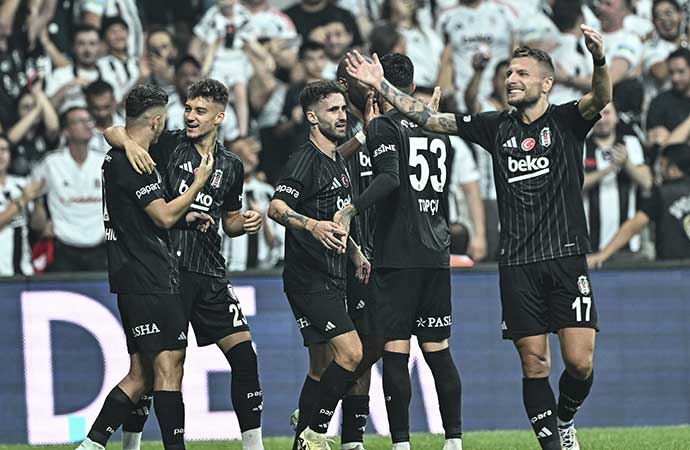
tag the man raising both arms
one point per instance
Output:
(538, 167)
(211, 304)
(142, 270)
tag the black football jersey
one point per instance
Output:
(412, 222)
(176, 155)
(669, 208)
(362, 174)
(316, 186)
(538, 172)
(140, 255)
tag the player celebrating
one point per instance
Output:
(315, 185)
(411, 279)
(212, 306)
(143, 273)
(537, 152)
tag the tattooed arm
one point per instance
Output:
(371, 73)
(330, 234)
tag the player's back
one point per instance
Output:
(140, 258)
(412, 222)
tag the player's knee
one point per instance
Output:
(579, 368)
(536, 366)
(349, 356)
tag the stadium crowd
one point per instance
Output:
(66, 66)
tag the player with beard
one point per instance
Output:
(537, 152)
(314, 186)
(142, 271)
(212, 306)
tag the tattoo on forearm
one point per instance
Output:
(285, 216)
(412, 108)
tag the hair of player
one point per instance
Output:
(83, 29)
(310, 46)
(209, 89)
(142, 98)
(539, 56)
(399, 71)
(384, 38)
(187, 59)
(678, 155)
(566, 13)
(64, 117)
(680, 52)
(110, 21)
(318, 90)
(98, 87)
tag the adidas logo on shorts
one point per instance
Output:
(329, 326)
(182, 336)
(360, 305)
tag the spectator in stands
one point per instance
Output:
(573, 67)
(385, 38)
(95, 13)
(218, 43)
(337, 41)
(64, 85)
(470, 27)
(265, 249)
(668, 35)
(72, 177)
(17, 213)
(422, 45)
(293, 129)
(313, 19)
(118, 67)
(157, 66)
(670, 107)
(36, 131)
(623, 47)
(614, 171)
(668, 207)
(102, 105)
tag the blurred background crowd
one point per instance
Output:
(66, 67)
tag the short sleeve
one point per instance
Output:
(383, 143)
(570, 116)
(232, 200)
(479, 128)
(634, 148)
(296, 181)
(167, 142)
(142, 188)
(629, 49)
(207, 30)
(651, 205)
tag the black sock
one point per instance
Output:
(335, 381)
(398, 392)
(245, 389)
(355, 413)
(169, 409)
(307, 403)
(448, 389)
(540, 405)
(572, 394)
(138, 415)
(114, 412)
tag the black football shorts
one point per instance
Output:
(321, 316)
(412, 301)
(543, 297)
(153, 322)
(360, 303)
(211, 306)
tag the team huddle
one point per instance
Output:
(365, 206)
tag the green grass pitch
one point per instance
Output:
(652, 438)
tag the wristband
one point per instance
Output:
(599, 62)
(361, 137)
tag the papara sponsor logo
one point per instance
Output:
(177, 431)
(147, 189)
(536, 166)
(143, 330)
(541, 416)
(288, 190)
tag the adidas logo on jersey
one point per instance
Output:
(544, 433)
(510, 143)
(336, 184)
(360, 305)
(329, 326)
(182, 336)
(187, 167)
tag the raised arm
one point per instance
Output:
(371, 74)
(602, 92)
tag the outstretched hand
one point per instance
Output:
(369, 73)
(594, 42)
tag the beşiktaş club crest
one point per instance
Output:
(545, 137)
(583, 285)
(217, 176)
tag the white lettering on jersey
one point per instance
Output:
(429, 205)
(535, 166)
(147, 189)
(288, 190)
(202, 201)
